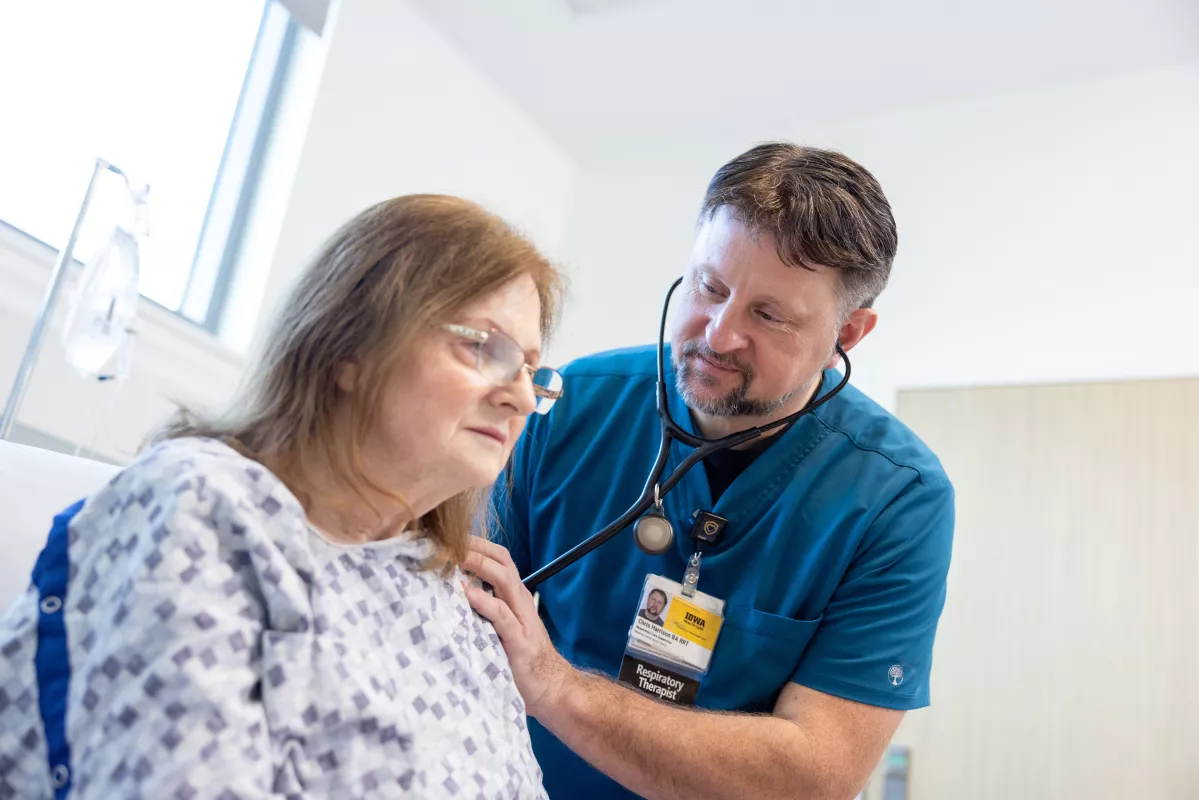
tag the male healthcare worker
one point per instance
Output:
(833, 562)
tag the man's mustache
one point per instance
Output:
(698, 349)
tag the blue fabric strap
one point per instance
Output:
(52, 664)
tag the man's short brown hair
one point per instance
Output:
(820, 207)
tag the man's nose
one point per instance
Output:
(724, 333)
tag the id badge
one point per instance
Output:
(671, 641)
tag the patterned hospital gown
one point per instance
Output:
(211, 644)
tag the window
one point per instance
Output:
(179, 96)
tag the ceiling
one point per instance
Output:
(604, 76)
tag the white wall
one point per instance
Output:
(1044, 236)
(398, 110)
(401, 111)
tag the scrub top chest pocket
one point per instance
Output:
(758, 654)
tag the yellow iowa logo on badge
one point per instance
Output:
(696, 625)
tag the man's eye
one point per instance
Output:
(707, 287)
(766, 315)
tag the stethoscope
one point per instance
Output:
(652, 531)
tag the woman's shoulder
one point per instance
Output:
(187, 502)
(200, 468)
(193, 453)
(210, 459)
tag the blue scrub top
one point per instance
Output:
(832, 566)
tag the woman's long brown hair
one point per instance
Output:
(383, 280)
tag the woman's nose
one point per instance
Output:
(522, 397)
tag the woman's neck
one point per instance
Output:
(349, 526)
(341, 513)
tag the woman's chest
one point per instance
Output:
(396, 669)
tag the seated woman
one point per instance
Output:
(270, 603)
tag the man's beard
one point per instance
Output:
(735, 402)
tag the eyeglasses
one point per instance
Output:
(500, 359)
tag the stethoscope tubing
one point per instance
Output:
(655, 488)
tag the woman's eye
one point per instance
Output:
(766, 315)
(707, 287)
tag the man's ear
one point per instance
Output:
(859, 324)
(347, 376)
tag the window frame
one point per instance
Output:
(223, 230)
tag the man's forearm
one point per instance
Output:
(816, 746)
(666, 752)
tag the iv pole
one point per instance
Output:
(58, 277)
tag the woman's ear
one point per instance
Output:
(347, 376)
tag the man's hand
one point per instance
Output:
(815, 746)
(539, 670)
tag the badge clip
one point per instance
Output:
(708, 528)
(691, 576)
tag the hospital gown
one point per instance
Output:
(218, 646)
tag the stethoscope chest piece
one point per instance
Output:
(653, 532)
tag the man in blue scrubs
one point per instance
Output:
(834, 560)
